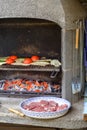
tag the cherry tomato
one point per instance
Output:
(34, 58)
(13, 57)
(27, 61)
(9, 61)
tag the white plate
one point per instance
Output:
(45, 115)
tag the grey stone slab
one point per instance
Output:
(66, 85)
(50, 10)
(60, 11)
(67, 49)
(70, 64)
(17, 8)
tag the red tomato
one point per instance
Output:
(9, 61)
(34, 58)
(27, 61)
(13, 57)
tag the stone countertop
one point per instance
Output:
(72, 120)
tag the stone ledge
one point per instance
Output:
(72, 120)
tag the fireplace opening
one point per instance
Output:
(24, 38)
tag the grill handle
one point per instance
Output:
(53, 74)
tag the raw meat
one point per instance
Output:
(44, 106)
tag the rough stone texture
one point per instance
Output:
(63, 12)
(66, 85)
(73, 11)
(51, 10)
(67, 49)
(17, 8)
(67, 63)
(72, 120)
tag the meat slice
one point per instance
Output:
(31, 106)
(62, 107)
(53, 103)
(38, 109)
(44, 102)
(50, 108)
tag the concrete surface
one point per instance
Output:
(72, 120)
(63, 12)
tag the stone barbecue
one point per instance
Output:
(45, 28)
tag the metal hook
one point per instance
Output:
(53, 74)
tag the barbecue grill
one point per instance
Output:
(26, 37)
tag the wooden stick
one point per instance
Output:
(77, 38)
(15, 111)
(85, 117)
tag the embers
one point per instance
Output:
(26, 85)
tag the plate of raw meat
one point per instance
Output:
(45, 107)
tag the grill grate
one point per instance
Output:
(27, 37)
(28, 94)
(30, 68)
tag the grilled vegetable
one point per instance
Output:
(39, 63)
(3, 59)
(13, 57)
(55, 62)
(9, 61)
(35, 58)
(27, 61)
